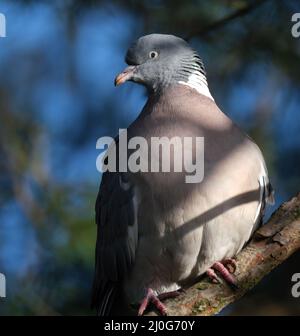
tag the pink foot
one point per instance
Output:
(225, 269)
(151, 297)
(212, 275)
(230, 264)
(156, 301)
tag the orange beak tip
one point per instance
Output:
(124, 76)
(118, 80)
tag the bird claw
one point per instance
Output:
(230, 264)
(225, 268)
(154, 299)
(212, 275)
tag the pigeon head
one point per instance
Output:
(157, 61)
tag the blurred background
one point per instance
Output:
(57, 66)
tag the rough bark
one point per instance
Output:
(270, 246)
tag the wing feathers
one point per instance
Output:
(117, 234)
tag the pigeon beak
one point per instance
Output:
(126, 75)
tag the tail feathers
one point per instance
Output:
(107, 301)
(266, 197)
(103, 299)
(270, 194)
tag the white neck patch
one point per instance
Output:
(198, 82)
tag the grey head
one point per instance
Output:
(160, 60)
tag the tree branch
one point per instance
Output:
(222, 22)
(271, 245)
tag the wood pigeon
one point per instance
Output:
(156, 233)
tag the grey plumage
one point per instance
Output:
(155, 230)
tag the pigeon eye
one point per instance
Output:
(153, 54)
